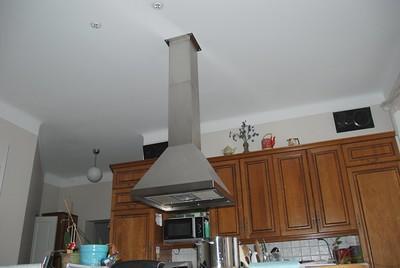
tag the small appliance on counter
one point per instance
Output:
(224, 252)
(183, 264)
(203, 254)
(187, 228)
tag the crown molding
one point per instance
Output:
(61, 182)
(277, 115)
(19, 118)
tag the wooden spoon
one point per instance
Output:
(242, 257)
(259, 251)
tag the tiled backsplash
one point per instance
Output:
(185, 254)
(311, 249)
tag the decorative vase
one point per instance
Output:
(245, 147)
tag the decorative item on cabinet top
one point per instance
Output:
(268, 141)
(293, 141)
(229, 150)
(245, 133)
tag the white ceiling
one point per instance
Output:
(108, 87)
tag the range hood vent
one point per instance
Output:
(182, 178)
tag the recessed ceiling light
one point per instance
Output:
(158, 5)
(95, 25)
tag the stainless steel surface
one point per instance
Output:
(182, 178)
(183, 95)
(203, 254)
(225, 252)
(184, 264)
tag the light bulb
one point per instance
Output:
(94, 174)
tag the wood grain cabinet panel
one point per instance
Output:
(122, 199)
(331, 190)
(228, 220)
(296, 204)
(132, 231)
(259, 197)
(370, 151)
(129, 177)
(376, 194)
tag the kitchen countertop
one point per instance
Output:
(307, 265)
(316, 265)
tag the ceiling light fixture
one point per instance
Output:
(158, 5)
(95, 174)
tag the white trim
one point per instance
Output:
(58, 181)
(19, 118)
(5, 149)
(277, 115)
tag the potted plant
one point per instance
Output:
(245, 133)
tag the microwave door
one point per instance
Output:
(177, 229)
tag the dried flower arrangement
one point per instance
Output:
(245, 133)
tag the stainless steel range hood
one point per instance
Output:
(182, 178)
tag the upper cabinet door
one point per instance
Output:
(376, 194)
(259, 197)
(296, 205)
(371, 151)
(228, 220)
(331, 189)
(128, 177)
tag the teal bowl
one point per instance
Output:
(92, 254)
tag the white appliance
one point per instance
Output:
(44, 238)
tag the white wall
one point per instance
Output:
(90, 201)
(308, 129)
(50, 197)
(15, 189)
(32, 209)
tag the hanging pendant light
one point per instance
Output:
(95, 174)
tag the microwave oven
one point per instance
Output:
(186, 229)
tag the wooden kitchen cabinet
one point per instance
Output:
(133, 228)
(122, 200)
(376, 194)
(295, 199)
(126, 175)
(376, 150)
(228, 220)
(133, 233)
(331, 189)
(297, 192)
(259, 197)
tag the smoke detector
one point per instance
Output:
(95, 25)
(158, 5)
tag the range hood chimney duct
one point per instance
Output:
(182, 178)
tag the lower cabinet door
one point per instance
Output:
(132, 232)
(376, 194)
(259, 197)
(228, 220)
(296, 204)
